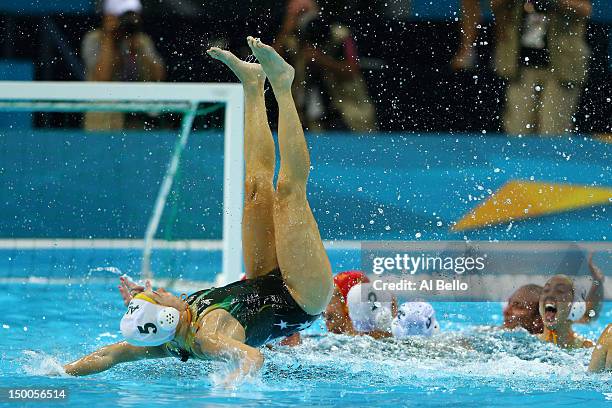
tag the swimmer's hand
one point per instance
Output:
(128, 289)
(596, 273)
(248, 360)
(294, 340)
(246, 367)
(601, 359)
(595, 296)
(236, 377)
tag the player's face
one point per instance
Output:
(555, 301)
(522, 312)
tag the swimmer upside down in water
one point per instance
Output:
(289, 279)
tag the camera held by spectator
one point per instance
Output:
(542, 51)
(120, 51)
(325, 56)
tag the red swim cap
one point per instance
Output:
(346, 280)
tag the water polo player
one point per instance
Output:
(357, 308)
(336, 315)
(559, 308)
(522, 309)
(289, 280)
(371, 311)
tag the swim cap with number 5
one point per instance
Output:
(147, 323)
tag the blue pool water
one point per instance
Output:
(384, 187)
(45, 324)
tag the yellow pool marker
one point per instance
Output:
(519, 199)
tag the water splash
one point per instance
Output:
(42, 364)
(114, 270)
(510, 360)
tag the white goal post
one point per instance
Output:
(66, 96)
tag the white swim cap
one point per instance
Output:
(147, 323)
(577, 310)
(369, 309)
(118, 7)
(415, 319)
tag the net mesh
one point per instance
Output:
(78, 203)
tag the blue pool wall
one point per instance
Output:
(72, 184)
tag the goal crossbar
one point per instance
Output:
(66, 96)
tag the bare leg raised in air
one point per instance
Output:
(290, 280)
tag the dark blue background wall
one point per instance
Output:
(427, 9)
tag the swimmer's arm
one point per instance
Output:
(109, 356)
(249, 359)
(378, 334)
(601, 359)
(294, 340)
(595, 295)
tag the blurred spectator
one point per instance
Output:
(541, 50)
(471, 14)
(330, 90)
(120, 51)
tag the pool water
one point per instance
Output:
(44, 325)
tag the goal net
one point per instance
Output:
(161, 200)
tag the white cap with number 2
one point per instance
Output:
(147, 323)
(415, 319)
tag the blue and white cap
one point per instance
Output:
(369, 309)
(414, 319)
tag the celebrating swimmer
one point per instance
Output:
(559, 309)
(289, 280)
(523, 308)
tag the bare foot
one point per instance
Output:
(279, 72)
(249, 74)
